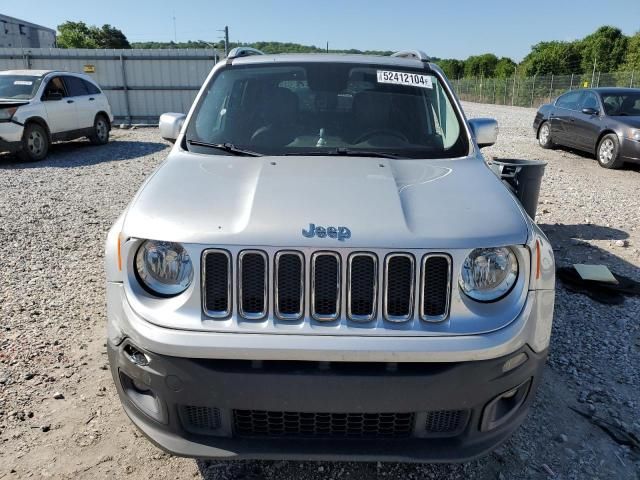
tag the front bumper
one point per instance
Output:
(10, 136)
(629, 150)
(196, 407)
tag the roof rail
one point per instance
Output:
(417, 54)
(243, 52)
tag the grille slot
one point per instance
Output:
(435, 288)
(446, 422)
(259, 423)
(200, 420)
(216, 279)
(289, 285)
(362, 286)
(399, 275)
(325, 286)
(252, 284)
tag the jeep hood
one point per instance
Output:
(227, 200)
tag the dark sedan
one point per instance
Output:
(601, 121)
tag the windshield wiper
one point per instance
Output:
(347, 152)
(227, 147)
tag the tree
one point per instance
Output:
(607, 46)
(632, 57)
(480, 65)
(81, 35)
(547, 58)
(451, 67)
(505, 68)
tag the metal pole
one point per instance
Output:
(533, 88)
(513, 92)
(226, 41)
(494, 90)
(551, 88)
(631, 83)
(571, 85)
(125, 89)
(593, 74)
(598, 80)
(505, 91)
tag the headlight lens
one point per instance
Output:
(164, 268)
(635, 134)
(489, 273)
(7, 113)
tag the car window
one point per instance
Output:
(18, 87)
(622, 104)
(75, 86)
(304, 108)
(589, 100)
(569, 100)
(55, 85)
(91, 88)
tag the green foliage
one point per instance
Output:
(451, 67)
(607, 46)
(81, 35)
(546, 58)
(480, 65)
(505, 68)
(632, 57)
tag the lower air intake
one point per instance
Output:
(200, 420)
(446, 422)
(259, 423)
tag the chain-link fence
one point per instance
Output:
(536, 90)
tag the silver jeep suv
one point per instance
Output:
(325, 267)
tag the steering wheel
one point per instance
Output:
(380, 132)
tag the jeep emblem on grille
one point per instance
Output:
(341, 233)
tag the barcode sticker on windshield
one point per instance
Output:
(405, 78)
(23, 82)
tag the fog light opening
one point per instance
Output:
(135, 356)
(514, 362)
(504, 407)
(142, 397)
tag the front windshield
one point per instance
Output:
(316, 108)
(18, 87)
(622, 104)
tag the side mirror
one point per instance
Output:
(485, 131)
(590, 111)
(170, 125)
(53, 96)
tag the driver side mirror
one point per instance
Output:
(53, 96)
(485, 131)
(170, 125)
(590, 111)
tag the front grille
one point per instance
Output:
(316, 280)
(436, 283)
(200, 420)
(216, 277)
(252, 288)
(325, 287)
(259, 423)
(362, 286)
(399, 281)
(449, 422)
(289, 285)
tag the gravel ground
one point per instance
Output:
(59, 412)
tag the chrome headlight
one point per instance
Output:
(635, 134)
(164, 268)
(488, 274)
(6, 114)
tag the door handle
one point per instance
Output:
(91, 99)
(69, 101)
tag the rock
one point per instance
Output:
(45, 428)
(622, 243)
(563, 438)
(58, 396)
(29, 376)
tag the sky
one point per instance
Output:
(443, 28)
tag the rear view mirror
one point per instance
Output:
(170, 125)
(485, 131)
(590, 111)
(53, 96)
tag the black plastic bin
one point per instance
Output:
(524, 177)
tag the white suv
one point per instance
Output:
(38, 107)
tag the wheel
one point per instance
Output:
(100, 134)
(35, 143)
(608, 152)
(544, 136)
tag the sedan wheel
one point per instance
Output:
(608, 152)
(544, 136)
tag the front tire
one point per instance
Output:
(544, 136)
(608, 153)
(35, 143)
(100, 135)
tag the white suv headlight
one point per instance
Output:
(488, 274)
(164, 268)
